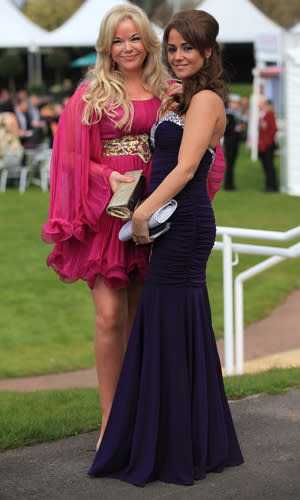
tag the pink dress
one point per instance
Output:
(85, 236)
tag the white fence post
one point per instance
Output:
(239, 313)
(277, 254)
(228, 304)
(239, 326)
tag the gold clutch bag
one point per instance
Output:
(127, 196)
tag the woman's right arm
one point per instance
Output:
(79, 185)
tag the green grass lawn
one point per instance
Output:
(47, 326)
(35, 417)
(242, 89)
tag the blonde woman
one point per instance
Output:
(10, 145)
(102, 134)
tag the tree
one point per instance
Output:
(149, 6)
(57, 60)
(11, 65)
(286, 13)
(50, 15)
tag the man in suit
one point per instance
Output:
(25, 130)
(37, 124)
(232, 138)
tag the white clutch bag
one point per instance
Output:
(158, 223)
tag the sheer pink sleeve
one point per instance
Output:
(79, 187)
(216, 173)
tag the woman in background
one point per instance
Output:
(11, 151)
(266, 143)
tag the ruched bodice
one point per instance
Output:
(192, 232)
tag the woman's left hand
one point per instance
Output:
(140, 230)
(174, 88)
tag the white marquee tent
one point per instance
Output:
(291, 152)
(295, 29)
(82, 29)
(240, 21)
(17, 30)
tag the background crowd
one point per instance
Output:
(29, 121)
(237, 112)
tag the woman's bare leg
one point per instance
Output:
(114, 315)
(111, 316)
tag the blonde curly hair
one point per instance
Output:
(10, 145)
(106, 90)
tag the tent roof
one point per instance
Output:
(295, 29)
(240, 21)
(16, 29)
(82, 28)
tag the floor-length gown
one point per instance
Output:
(170, 419)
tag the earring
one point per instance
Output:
(112, 64)
(206, 61)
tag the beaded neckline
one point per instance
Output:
(173, 117)
(168, 117)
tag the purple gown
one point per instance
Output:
(170, 419)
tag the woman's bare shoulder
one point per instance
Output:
(207, 96)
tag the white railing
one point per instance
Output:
(228, 247)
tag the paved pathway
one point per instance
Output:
(275, 340)
(269, 431)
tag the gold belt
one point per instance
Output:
(128, 145)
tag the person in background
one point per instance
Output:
(25, 130)
(68, 88)
(232, 138)
(57, 110)
(244, 112)
(21, 94)
(6, 103)
(266, 143)
(37, 124)
(10, 144)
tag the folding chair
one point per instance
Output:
(13, 169)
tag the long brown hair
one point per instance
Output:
(200, 29)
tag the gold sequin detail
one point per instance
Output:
(128, 145)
